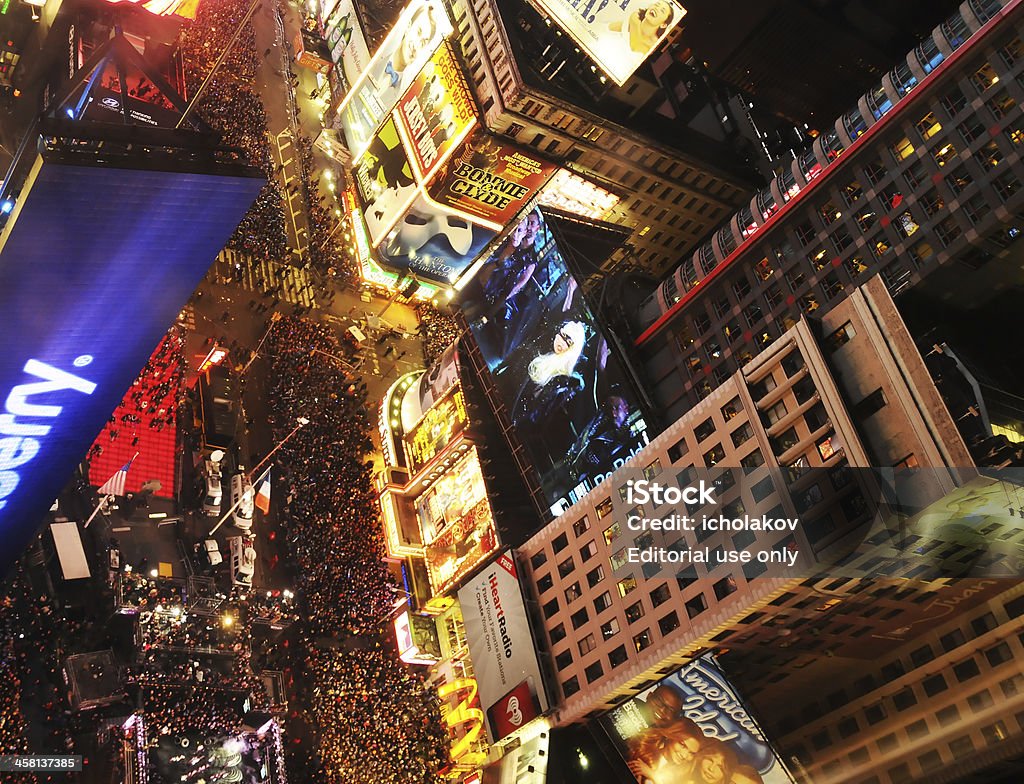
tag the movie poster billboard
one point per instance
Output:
(385, 182)
(439, 427)
(692, 727)
(416, 35)
(488, 181)
(567, 396)
(461, 547)
(439, 377)
(435, 243)
(451, 498)
(436, 112)
(619, 36)
(347, 44)
(501, 646)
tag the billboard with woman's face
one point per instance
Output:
(692, 728)
(568, 397)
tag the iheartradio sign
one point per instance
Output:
(501, 646)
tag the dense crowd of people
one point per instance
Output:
(232, 106)
(438, 331)
(365, 701)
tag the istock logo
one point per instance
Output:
(22, 440)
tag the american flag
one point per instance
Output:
(115, 485)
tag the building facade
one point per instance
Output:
(924, 173)
(801, 418)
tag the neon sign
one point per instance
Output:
(21, 444)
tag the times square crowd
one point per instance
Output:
(232, 106)
(377, 721)
(438, 331)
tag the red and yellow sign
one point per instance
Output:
(436, 112)
(437, 429)
(489, 182)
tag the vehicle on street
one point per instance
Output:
(242, 498)
(210, 488)
(242, 560)
(209, 553)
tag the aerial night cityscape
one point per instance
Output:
(511, 391)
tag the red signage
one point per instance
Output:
(514, 710)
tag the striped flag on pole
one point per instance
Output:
(262, 499)
(115, 485)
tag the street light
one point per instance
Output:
(299, 423)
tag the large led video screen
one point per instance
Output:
(618, 37)
(693, 727)
(95, 264)
(568, 397)
(439, 426)
(186, 9)
(417, 33)
(449, 499)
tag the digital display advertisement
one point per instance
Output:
(571, 193)
(488, 181)
(385, 181)
(186, 9)
(500, 643)
(146, 103)
(692, 727)
(439, 377)
(452, 497)
(439, 427)
(618, 37)
(435, 243)
(567, 396)
(347, 44)
(414, 38)
(436, 112)
(94, 267)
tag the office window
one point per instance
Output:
(587, 644)
(984, 77)
(660, 595)
(948, 715)
(980, 701)
(594, 672)
(560, 542)
(902, 149)
(588, 551)
(626, 585)
(579, 618)
(634, 612)
(928, 126)
(1001, 105)
(948, 230)
(961, 746)
(724, 587)
(563, 660)
(612, 532)
(595, 575)
(566, 567)
(696, 605)
(668, 624)
(642, 640)
(904, 699)
(544, 583)
(618, 656)
(944, 153)
(1006, 185)
(537, 560)
(610, 628)
(572, 593)
(581, 526)
(550, 608)
(998, 654)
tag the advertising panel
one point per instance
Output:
(439, 377)
(617, 36)
(456, 520)
(438, 428)
(186, 9)
(84, 302)
(692, 727)
(501, 646)
(452, 497)
(385, 182)
(436, 112)
(347, 44)
(417, 33)
(146, 103)
(568, 397)
(488, 181)
(435, 243)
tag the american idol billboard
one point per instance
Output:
(692, 728)
(95, 263)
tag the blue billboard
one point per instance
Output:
(95, 263)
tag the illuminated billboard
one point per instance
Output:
(436, 112)
(569, 192)
(567, 395)
(439, 377)
(347, 44)
(440, 425)
(384, 178)
(458, 522)
(488, 181)
(501, 646)
(94, 267)
(417, 33)
(435, 243)
(693, 727)
(452, 497)
(618, 37)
